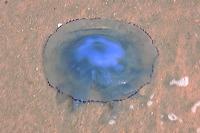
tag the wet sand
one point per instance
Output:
(170, 103)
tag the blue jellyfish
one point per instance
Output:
(96, 60)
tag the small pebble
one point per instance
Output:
(194, 108)
(151, 97)
(60, 24)
(149, 103)
(111, 122)
(131, 106)
(184, 81)
(172, 117)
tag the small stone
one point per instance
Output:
(131, 107)
(149, 103)
(184, 81)
(194, 108)
(60, 24)
(172, 117)
(151, 97)
(111, 122)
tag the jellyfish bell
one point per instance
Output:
(99, 60)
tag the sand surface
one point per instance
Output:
(171, 103)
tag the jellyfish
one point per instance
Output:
(99, 60)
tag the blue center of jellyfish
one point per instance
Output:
(100, 51)
(95, 60)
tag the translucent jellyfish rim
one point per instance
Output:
(115, 100)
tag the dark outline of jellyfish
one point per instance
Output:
(115, 100)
